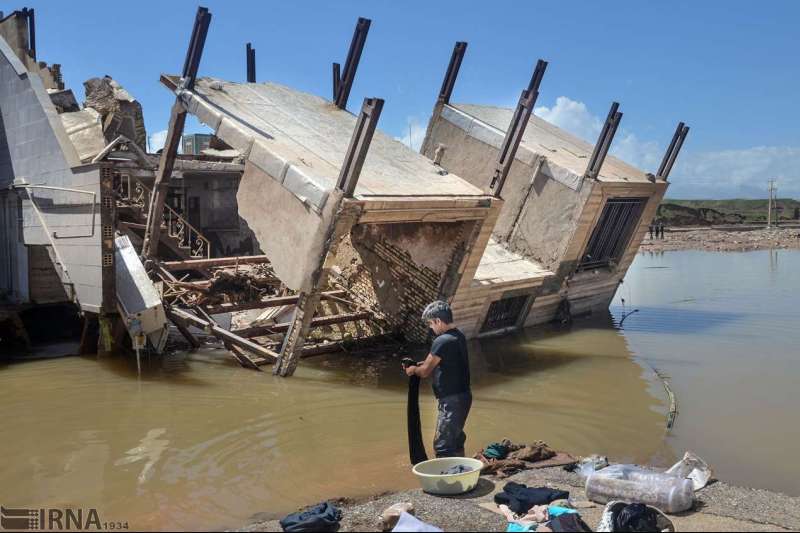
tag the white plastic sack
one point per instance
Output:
(694, 468)
(409, 523)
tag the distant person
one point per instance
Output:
(661, 230)
(651, 231)
(448, 362)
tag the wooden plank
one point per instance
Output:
(221, 333)
(276, 301)
(259, 331)
(191, 264)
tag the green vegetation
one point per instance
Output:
(738, 211)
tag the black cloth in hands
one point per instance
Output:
(321, 517)
(416, 446)
(521, 498)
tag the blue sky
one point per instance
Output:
(730, 70)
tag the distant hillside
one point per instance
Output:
(738, 211)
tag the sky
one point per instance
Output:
(730, 70)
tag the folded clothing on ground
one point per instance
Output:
(321, 517)
(520, 498)
(569, 522)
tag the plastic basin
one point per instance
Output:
(429, 474)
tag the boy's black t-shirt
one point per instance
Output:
(451, 376)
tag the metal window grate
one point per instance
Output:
(504, 313)
(613, 232)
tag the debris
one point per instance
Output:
(589, 465)
(390, 517)
(694, 468)
(121, 112)
(409, 523)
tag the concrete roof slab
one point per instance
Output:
(311, 135)
(558, 146)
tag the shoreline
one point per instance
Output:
(723, 239)
(718, 507)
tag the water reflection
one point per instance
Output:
(724, 327)
(197, 442)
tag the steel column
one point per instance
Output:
(345, 82)
(359, 145)
(251, 63)
(604, 141)
(450, 76)
(672, 151)
(516, 129)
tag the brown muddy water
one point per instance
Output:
(199, 443)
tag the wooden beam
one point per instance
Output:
(276, 301)
(261, 331)
(192, 264)
(221, 333)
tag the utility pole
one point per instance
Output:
(769, 203)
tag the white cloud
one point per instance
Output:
(414, 133)
(573, 116)
(156, 141)
(737, 173)
(723, 174)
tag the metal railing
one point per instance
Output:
(134, 193)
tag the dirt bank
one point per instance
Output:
(719, 507)
(723, 240)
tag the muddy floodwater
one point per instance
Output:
(199, 443)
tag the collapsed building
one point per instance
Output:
(301, 215)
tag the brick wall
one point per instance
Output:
(382, 274)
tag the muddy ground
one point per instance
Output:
(723, 240)
(718, 507)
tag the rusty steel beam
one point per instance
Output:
(516, 129)
(344, 82)
(366, 123)
(177, 121)
(672, 151)
(342, 318)
(276, 301)
(451, 75)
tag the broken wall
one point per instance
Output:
(395, 270)
(36, 149)
(212, 207)
(121, 113)
(289, 231)
(540, 214)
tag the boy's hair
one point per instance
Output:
(440, 310)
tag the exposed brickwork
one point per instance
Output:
(415, 287)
